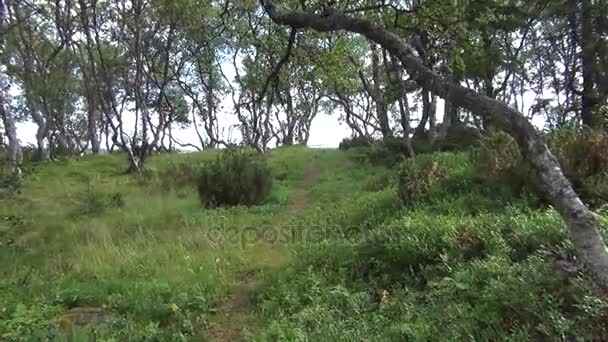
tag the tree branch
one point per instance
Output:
(582, 223)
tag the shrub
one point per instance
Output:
(378, 182)
(94, 201)
(355, 141)
(459, 138)
(235, 177)
(28, 323)
(582, 154)
(386, 152)
(9, 182)
(381, 155)
(497, 154)
(417, 176)
(176, 175)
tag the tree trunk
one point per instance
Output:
(15, 156)
(404, 109)
(449, 112)
(93, 133)
(589, 44)
(581, 222)
(92, 124)
(379, 98)
(429, 107)
(41, 134)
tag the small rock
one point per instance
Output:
(97, 319)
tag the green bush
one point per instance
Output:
(94, 201)
(235, 177)
(459, 138)
(382, 155)
(582, 154)
(378, 182)
(388, 152)
(497, 155)
(27, 323)
(9, 182)
(490, 277)
(174, 176)
(501, 167)
(355, 141)
(417, 176)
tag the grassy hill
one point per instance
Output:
(331, 255)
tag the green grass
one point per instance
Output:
(465, 262)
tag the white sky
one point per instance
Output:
(326, 131)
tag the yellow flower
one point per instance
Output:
(174, 307)
(383, 296)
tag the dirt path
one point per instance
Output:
(235, 316)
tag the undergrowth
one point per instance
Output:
(431, 249)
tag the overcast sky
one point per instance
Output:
(326, 131)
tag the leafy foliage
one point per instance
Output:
(174, 175)
(582, 154)
(355, 141)
(95, 201)
(417, 176)
(235, 177)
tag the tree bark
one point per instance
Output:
(404, 110)
(15, 156)
(429, 107)
(379, 97)
(581, 222)
(589, 43)
(449, 111)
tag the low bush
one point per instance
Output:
(382, 155)
(417, 176)
(425, 277)
(235, 177)
(459, 138)
(582, 154)
(387, 152)
(9, 183)
(94, 201)
(378, 182)
(355, 141)
(497, 155)
(174, 176)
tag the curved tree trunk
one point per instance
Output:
(581, 222)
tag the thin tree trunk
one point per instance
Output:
(448, 113)
(589, 43)
(420, 131)
(381, 106)
(581, 221)
(404, 109)
(93, 120)
(15, 156)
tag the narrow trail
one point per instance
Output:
(235, 314)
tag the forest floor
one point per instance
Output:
(90, 253)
